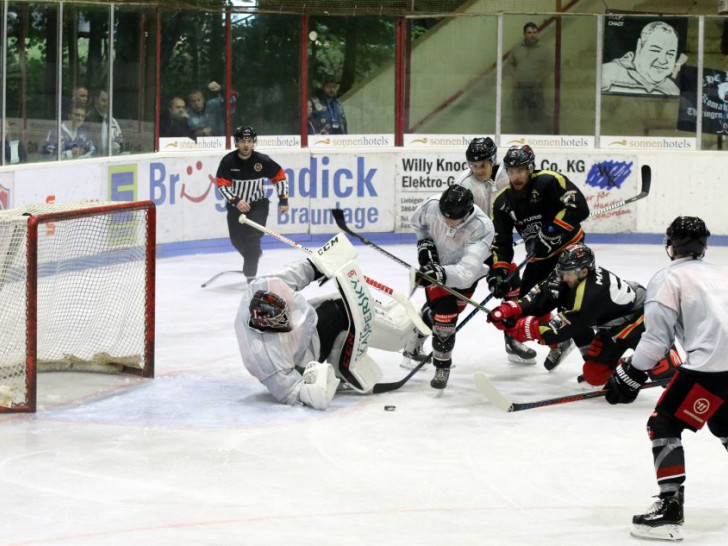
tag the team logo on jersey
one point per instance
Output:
(257, 167)
(535, 196)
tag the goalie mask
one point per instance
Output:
(269, 311)
(688, 236)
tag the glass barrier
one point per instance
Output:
(266, 74)
(192, 60)
(134, 74)
(452, 76)
(31, 86)
(351, 76)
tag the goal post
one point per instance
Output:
(76, 293)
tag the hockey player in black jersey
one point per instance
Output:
(601, 312)
(240, 179)
(546, 209)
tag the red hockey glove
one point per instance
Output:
(526, 329)
(499, 317)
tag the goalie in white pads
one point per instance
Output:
(301, 349)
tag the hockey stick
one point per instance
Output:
(644, 192)
(393, 386)
(487, 388)
(397, 296)
(341, 222)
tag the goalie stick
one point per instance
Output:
(341, 222)
(393, 386)
(397, 296)
(487, 388)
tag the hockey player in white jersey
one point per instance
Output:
(301, 349)
(687, 301)
(453, 242)
(485, 179)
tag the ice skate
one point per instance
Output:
(413, 354)
(440, 379)
(517, 352)
(557, 354)
(663, 520)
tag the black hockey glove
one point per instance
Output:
(545, 244)
(427, 252)
(434, 271)
(497, 282)
(624, 384)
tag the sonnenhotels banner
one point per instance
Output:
(715, 100)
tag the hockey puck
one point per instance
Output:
(390, 408)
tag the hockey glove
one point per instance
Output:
(544, 244)
(526, 329)
(497, 282)
(433, 271)
(504, 315)
(625, 383)
(427, 252)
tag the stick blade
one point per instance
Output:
(646, 179)
(338, 215)
(486, 387)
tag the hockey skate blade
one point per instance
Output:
(670, 533)
(486, 387)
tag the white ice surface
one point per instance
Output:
(202, 455)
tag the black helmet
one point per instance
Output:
(520, 156)
(481, 149)
(687, 235)
(245, 132)
(268, 311)
(456, 202)
(574, 257)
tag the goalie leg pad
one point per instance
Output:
(319, 385)
(393, 329)
(366, 372)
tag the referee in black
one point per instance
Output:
(240, 178)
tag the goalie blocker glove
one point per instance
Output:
(624, 384)
(427, 252)
(433, 271)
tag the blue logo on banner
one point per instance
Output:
(608, 174)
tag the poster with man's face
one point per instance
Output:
(643, 55)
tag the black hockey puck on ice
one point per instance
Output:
(390, 408)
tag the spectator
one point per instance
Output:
(97, 120)
(14, 149)
(206, 117)
(649, 69)
(316, 125)
(530, 64)
(174, 123)
(327, 109)
(75, 139)
(79, 97)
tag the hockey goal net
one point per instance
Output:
(76, 293)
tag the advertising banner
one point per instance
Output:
(715, 100)
(643, 55)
